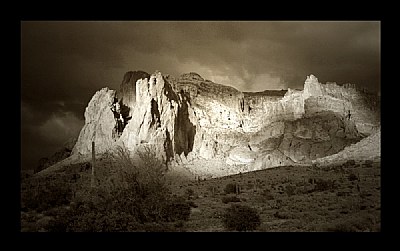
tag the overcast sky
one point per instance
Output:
(64, 63)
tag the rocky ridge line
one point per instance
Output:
(190, 119)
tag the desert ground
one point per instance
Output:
(338, 197)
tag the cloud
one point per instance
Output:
(60, 128)
(42, 135)
(64, 63)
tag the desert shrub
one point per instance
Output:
(324, 185)
(352, 177)
(250, 186)
(192, 204)
(241, 218)
(368, 163)
(360, 223)
(47, 194)
(189, 193)
(230, 188)
(212, 189)
(350, 163)
(290, 190)
(227, 199)
(176, 210)
(281, 215)
(266, 193)
(341, 227)
(130, 196)
(342, 193)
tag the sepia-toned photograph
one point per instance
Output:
(200, 126)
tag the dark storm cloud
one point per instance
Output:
(64, 63)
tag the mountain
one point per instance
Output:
(213, 130)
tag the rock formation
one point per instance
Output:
(368, 148)
(99, 124)
(189, 119)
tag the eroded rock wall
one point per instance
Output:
(189, 118)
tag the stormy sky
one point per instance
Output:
(64, 63)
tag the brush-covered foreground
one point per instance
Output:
(339, 197)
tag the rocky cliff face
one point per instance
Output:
(189, 119)
(363, 107)
(99, 124)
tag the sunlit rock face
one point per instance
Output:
(363, 107)
(189, 119)
(99, 124)
(160, 119)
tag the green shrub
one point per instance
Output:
(241, 218)
(227, 199)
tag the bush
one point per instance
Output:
(230, 188)
(341, 227)
(177, 210)
(192, 204)
(213, 190)
(282, 215)
(227, 199)
(368, 163)
(352, 177)
(266, 193)
(290, 190)
(189, 193)
(324, 185)
(350, 163)
(241, 218)
(130, 196)
(47, 194)
(359, 223)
